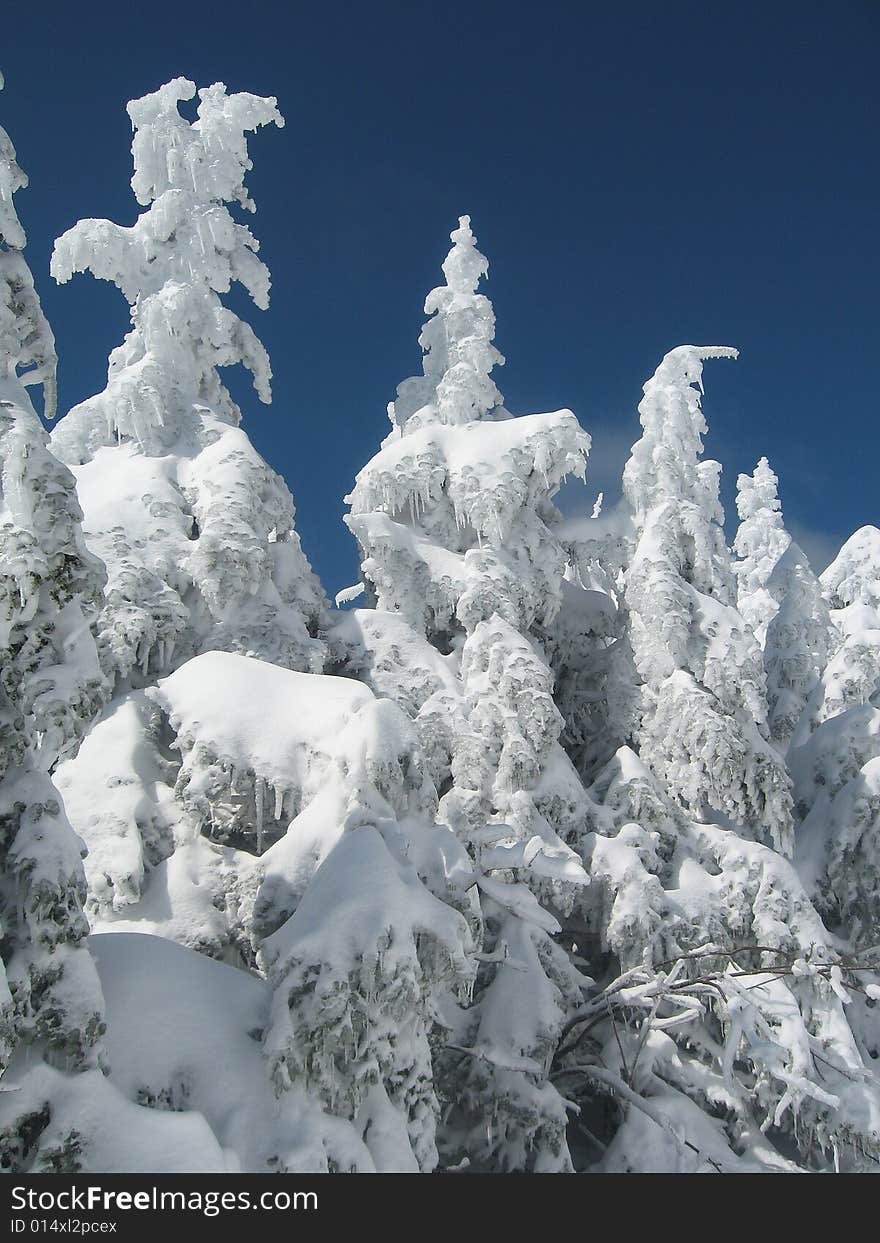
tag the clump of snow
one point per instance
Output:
(258, 743)
(185, 1034)
(148, 868)
(486, 471)
(362, 961)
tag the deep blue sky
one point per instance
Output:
(640, 175)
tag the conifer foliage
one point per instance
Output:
(50, 687)
(202, 550)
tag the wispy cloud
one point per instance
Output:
(820, 546)
(605, 464)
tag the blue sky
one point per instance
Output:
(640, 175)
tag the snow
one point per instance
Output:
(359, 961)
(27, 346)
(112, 1134)
(185, 1032)
(348, 594)
(51, 688)
(184, 250)
(201, 547)
(198, 532)
(489, 470)
(853, 574)
(256, 715)
(570, 822)
(456, 385)
(761, 540)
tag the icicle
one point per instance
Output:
(259, 801)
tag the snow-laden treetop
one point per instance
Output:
(208, 157)
(852, 577)
(11, 179)
(183, 251)
(757, 491)
(760, 543)
(665, 464)
(456, 386)
(27, 346)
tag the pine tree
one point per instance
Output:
(835, 755)
(719, 1000)
(796, 646)
(196, 530)
(761, 540)
(703, 729)
(455, 524)
(722, 1034)
(513, 892)
(780, 600)
(357, 949)
(596, 684)
(456, 386)
(50, 689)
(851, 586)
(201, 550)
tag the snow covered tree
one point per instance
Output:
(513, 892)
(456, 385)
(455, 522)
(50, 688)
(834, 750)
(719, 995)
(796, 645)
(720, 1035)
(851, 586)
(703, 729)
(835, 755)
(196, 530)
(760, 541)
(338, 907)
(780, 600)
(596, 684)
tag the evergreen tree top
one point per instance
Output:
(757, 491)
(456, 385)
(665, 463)
(12, 178)
(206, 158)
(184, 251)
(27, 346)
